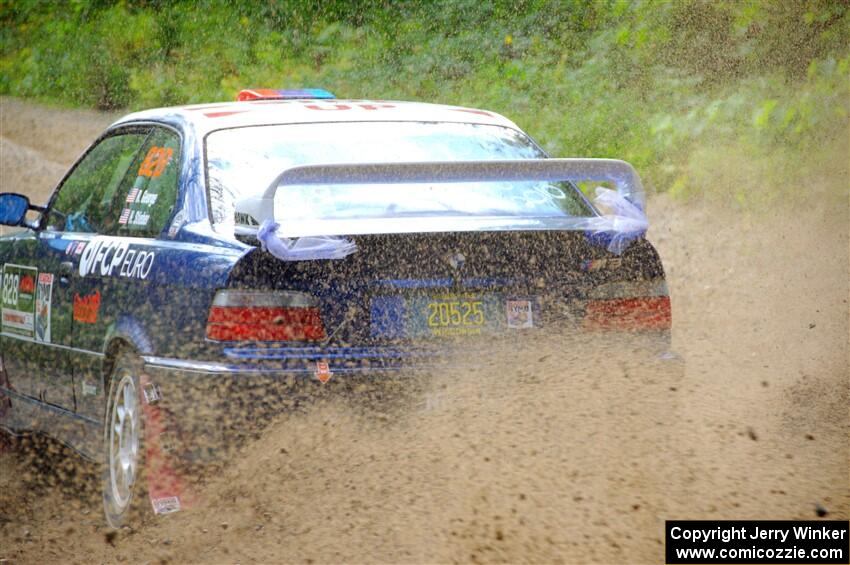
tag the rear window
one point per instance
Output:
(242, 162)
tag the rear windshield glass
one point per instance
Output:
(242, 162)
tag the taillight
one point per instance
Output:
(639, 313)
(241, 315)
(629, 305)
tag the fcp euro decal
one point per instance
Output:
(115, 257)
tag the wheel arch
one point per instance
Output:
(113, 348)
(126, 334)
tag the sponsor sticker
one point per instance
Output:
(89, 389)
(151, 393)
(520, 314)
(592, 265)
(176, 224)
(337, 107)
(435, 401)
(28, 284)
(107, 256)
(87, 307)
(18, 299)
(155, 161)
(42, 307)
(166, 505)
(323, 371)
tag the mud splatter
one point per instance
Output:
(540, 454)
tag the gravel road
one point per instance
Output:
(529, 458)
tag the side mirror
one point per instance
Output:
(13, 209)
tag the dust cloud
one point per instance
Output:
(541, 452)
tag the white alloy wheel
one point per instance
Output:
(122, 442)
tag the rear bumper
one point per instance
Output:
(300, 362)
(209, 406)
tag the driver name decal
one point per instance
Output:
(115, 257)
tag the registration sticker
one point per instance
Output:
(520, 314)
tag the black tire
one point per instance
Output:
(8, 442)
(122, 474)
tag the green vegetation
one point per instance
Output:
(697, 94)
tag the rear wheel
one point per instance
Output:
(121, 483)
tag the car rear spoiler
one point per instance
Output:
(620, 173)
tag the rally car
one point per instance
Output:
(290, 237)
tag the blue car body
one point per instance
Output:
(82, 294)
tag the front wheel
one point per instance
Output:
(123, 489)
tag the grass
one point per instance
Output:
(688, 91)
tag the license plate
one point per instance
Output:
(447, 315)
(451, 314)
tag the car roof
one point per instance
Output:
(205, 118)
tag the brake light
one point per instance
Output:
(239, 315)
(640, 313)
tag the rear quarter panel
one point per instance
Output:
(162, 313)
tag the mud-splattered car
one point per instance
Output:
(196, 251)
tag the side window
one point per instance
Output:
(147, 196)
(84, 199)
